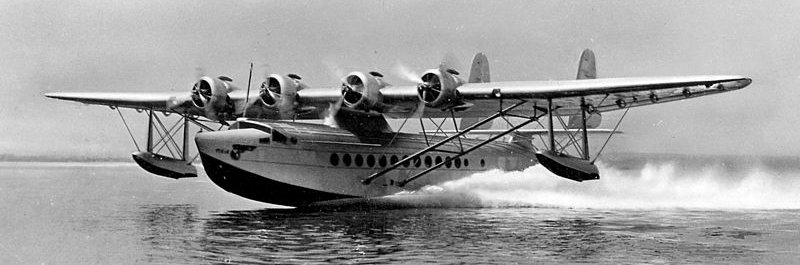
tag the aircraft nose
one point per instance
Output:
(205, 140)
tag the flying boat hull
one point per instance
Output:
(304, 173)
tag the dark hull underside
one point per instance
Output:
(255, 187)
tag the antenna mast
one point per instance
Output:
(247, 97)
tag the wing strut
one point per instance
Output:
(433, 147)
(174, 162)
(464, 152)
(579, 167)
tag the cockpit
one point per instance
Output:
(275, 136)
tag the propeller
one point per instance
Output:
(334, 69)
(430, 87)
(330, 113)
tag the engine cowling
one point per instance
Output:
(279, 93)
(363, 91)
(211, 95)
(438, 88)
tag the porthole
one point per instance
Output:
(293, 140)
(466, 162)
(417, 162)
(382, 161)
(370, 161)
(428, 161)
(483, 163)
(438, 160)
(457, 162)
(334, 159)
(407, 163)
(359, 160)
(447, 162)
(394, 160)
(346, 160)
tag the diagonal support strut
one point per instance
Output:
(372, 177)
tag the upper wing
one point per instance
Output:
(482, 99)
(166, 102)
(312, 102)
(602, 95)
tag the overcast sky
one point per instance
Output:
(159, 45)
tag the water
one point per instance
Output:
(644, 210)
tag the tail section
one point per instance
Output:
(587, 69)
(479, 73)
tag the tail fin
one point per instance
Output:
(586, 67)
(586, 70)
(479, 73)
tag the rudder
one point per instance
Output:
(587, 69)
(586, 66)
(479, 73)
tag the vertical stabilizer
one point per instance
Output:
(479, 73)
(586, 66)
(586, 70)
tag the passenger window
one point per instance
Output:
(438, 160)
(457, 162)
(466, 162)
(417, 161)
(293, 140)
(334, 159)
(428, 161)
(346, 160)
(394, 159)
(448, 162)
(359, 160)
(382, 161)
(407, 163)
(483, 163)
(370, 161)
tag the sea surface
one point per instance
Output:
(645, 209)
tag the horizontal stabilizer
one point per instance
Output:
(164, 166)
(592, 121)
(469, 121)
(568, 166)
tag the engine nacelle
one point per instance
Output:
(438, 88)
(211, 95)
(363, 91)
(279, 92)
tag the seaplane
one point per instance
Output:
(267, 147)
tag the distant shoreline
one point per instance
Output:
(15, 158)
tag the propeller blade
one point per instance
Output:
(404, 72)
(330, 113)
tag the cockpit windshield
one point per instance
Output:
(251, 125)
(274, 136)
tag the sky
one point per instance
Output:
(158, 46)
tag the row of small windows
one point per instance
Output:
(358, 160)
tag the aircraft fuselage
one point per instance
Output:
(295, 164)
